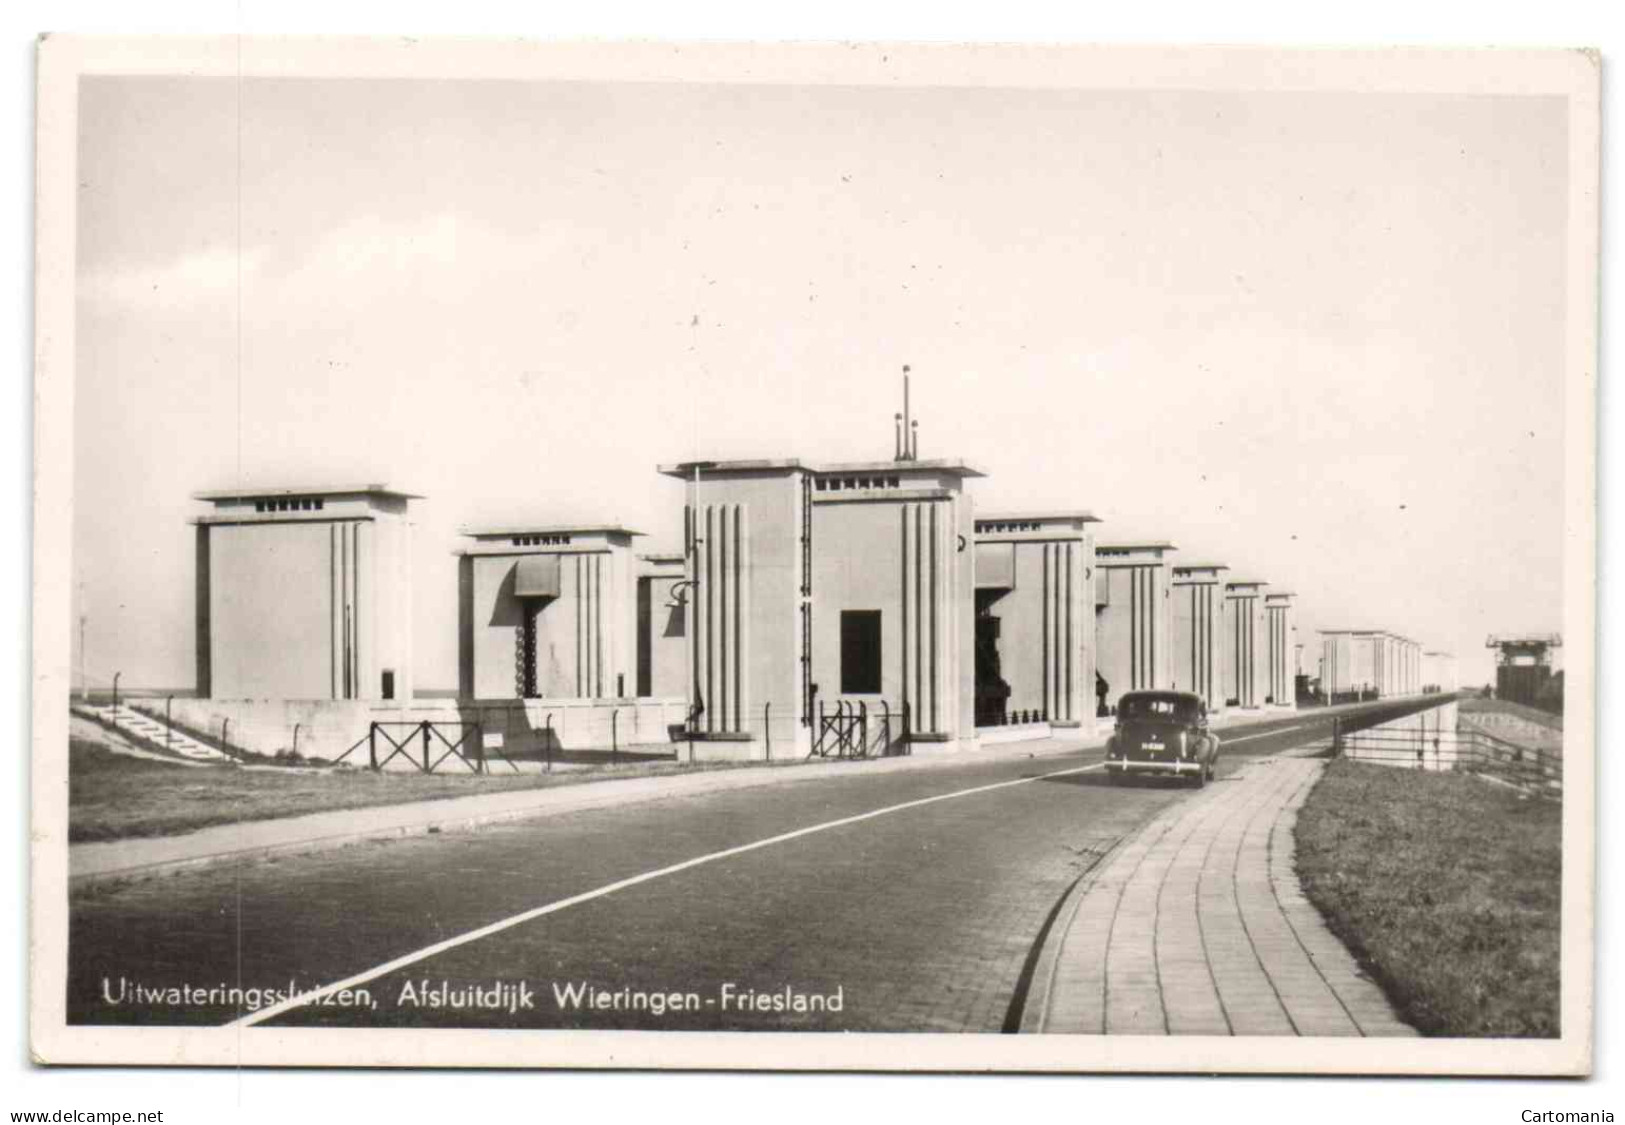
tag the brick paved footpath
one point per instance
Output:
(1197, 925)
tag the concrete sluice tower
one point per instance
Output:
(305, 594)
(1281, 649)
(822, 590)
(1246, 650)
(1133, 617)
(1199, 632)
(1035, 626)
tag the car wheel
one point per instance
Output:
(1200, 779)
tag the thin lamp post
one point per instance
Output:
(693, 606)
(692, 718)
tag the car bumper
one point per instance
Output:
(1134, 765)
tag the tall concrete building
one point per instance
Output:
(1246, 651)
(1199, 631)
(815, 592)
(1439, 672)
(1035, 624)
(1133, 617)
(1386, 663)
(1281, 649)
(547, 612)
(1368, 663)
(1349, 659)
(305, 594)
(1397, 665)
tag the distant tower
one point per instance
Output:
(1523, 664)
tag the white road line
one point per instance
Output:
(610, 888)
(1262, 734)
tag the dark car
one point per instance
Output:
(1162, 733)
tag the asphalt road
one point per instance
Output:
(923, 918)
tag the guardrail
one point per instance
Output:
(845, 732)
(1528, 768)
(466, 747)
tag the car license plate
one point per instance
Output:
(1153, 746)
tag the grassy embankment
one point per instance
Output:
(115, 796)
(1446, 888)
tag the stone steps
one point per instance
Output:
(155, 731)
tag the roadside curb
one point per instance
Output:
(1035, 1005)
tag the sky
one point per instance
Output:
(1318, 337)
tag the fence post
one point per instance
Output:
(296, 740)
(168, 699)
(372, 745)
(479, 747)
(116, 675)
(767, 727)
(614, 736)
(225, 729)
(547, 742)
(425, 729)
(1337, 737)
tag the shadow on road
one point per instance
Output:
(1099, 780)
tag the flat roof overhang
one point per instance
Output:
(1148, 553)
(546, 529)
(1040, 515)
(1136, 545)
(949, 466)
(685, 470)
(226, 495)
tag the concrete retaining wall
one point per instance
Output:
(327, 728)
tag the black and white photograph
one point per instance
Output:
(814, 557)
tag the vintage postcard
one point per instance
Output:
(862, 556)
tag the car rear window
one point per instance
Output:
(1157, 709)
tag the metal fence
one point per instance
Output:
(852, 730)
(424, 744)
(1528, 768)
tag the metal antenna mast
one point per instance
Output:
(907, 430)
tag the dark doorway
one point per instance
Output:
(389, 684)
(645, 638)
(992, 692)
(860, 652)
